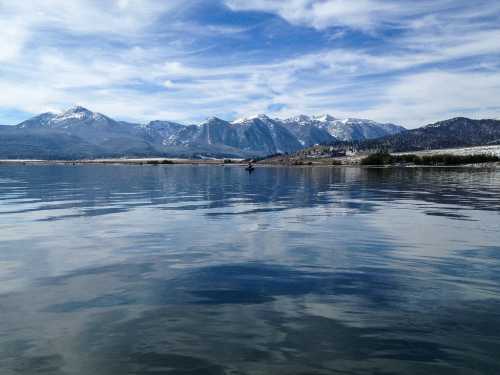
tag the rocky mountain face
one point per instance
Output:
(80, 133)
(452, 133)
(349, 129)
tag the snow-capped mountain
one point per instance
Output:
(267, 135)
(307, 131)
(349, 129)
(167, 131)
(311, 130)
(75, 116)
(256, 136)
(79, 132)
(352, 129)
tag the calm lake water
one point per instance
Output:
(210, 270)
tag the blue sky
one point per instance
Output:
(406, 62)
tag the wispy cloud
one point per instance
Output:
(362, 14)
(405, 62)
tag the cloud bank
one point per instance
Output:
(403, 62)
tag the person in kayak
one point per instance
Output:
(250, 166)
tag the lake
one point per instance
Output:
(113, 269)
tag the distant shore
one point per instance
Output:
(323, 162)
(127, 161)
(299, 159)
(321, 155)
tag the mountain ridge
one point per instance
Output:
(79, 132)
(452, 133)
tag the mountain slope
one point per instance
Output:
(75, 133)
(267, 135)
(36, 144)
(456, 132)
(352, 129)
(307, 131)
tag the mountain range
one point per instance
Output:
(80, 133)
(453, 133)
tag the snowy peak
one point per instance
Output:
(263, 117)
(304, 119)
(78, 109)
(300, 119)
(38, 121)
(246, 120)
(347, 129)
(78, 113)
(324, 118)
(75, 117)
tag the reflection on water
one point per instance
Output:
(209, 270)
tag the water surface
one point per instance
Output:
(209, 270)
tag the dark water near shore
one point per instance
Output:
(209, 270)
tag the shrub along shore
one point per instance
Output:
(384, 158)
(376, 159)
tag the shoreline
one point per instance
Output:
(331, 163)
(134, 161)
(307, 159)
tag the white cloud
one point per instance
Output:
(22, 21)
(168, 84)
(423, 98)
(127, 76)
(13, 36)
(88, 16)
(371, 15)
(104, 85)
(320, 14)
